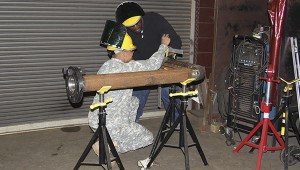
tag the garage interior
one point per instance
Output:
(41, 129)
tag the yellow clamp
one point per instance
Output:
(96, 105)
(288, 87)
(184, 94)
(104, 89)
(101, 92)
(188, 81)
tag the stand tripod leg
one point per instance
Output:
(263, 143)
(155, 151)
(184, 143)
(170, 112)
(87, 150)
(252, 132)
(286, 138)
(160, 134)
(195, 140)
(104, 157)
(114, 151)
(276, 123)
(170, 118)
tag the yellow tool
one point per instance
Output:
(190, 93)
(101, 92)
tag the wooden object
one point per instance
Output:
(205, 98)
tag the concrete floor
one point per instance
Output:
(60, 149)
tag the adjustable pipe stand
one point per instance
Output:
(286, 125)
(185, 126)
(103, 136)
(265, 123)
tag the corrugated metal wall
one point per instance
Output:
(40, 37)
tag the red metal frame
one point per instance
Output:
(276, 10)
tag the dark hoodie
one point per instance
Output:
(147, 42)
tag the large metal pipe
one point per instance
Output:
(172, 72)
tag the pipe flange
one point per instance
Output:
(74, 83)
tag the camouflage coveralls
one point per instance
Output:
(126, 134)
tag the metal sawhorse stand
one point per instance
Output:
(165, 132)
(103, 136)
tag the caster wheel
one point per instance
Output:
(228, 132)
(291, 160)
(229, 142)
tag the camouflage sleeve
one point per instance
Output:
(153, 63)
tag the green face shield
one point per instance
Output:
(113, 34)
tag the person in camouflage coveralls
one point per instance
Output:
(126, 134)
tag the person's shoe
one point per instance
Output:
(95, 147)
(142, 164)
(177, 127)
(113, 163)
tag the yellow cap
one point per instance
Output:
(131, 21)
(126, 45)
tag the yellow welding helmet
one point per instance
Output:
(131, 21)
(126, 45)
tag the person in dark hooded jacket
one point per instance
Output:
(146, 29)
